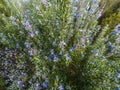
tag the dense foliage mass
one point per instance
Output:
(58, 45)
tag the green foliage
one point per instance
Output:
(112, 20)
(110, 7)
(58, 45)
(2, 83)
(4, 14)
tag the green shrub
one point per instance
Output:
(58, 45)
(2, 83)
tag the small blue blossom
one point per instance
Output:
(31, 35)
(118, 75)
(24, 74)
(92, 51)
(27, 44)
(44, 2)
(117, 29)
(60, 52)
(61, 87)
(20, 84)
(30, 52)
(53, 43)
(113, 33)
(118, 40)
(36, 32)
(27, 25)
(76, 0)
(6, 49)
(71, 49)
(57, 78)
(118, 88)
(37, 73)
(52, 51)
(44, 84)
(62, 44)
(91, 62)
(67, 57)
(55, 59)
(37, 86)
(12, 18)
(44, 76)
(88, 7)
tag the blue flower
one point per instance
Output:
(52, 51)
(57, 78)
(118, 75)
(36, 32)
(55, 59)
(113, 33)
(61, 87)
(67, 57)
(44, 76)
(20, 84)
(32, 34)
(44, 2)
(30, 52)
(71, 49)
(92, 51)
(118, 88)
(37, 86)
(27, 25)
(44, 84)
(12, 18)
(27, 44)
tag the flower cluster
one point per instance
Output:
(58, 45)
